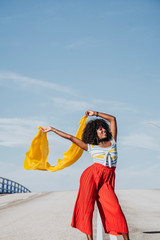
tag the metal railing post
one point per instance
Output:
(14, 187)
(10, 187)
(3, 185)
(7, 186)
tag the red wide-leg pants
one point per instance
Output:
(97, 184)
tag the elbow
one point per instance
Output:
(113, 118)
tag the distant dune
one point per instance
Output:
(47, 216)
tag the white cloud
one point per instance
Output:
(22, 81)
(17, 132)
(87, 42)
(116, 105)
(134, 171)
(113, 13)
(72, 104)
(76, 44)
(140, 141)
(137, 178)
(20, 132)
(27, 81)
(78, 105)
(153, 123)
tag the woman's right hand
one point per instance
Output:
(47, 129)
(89, 113)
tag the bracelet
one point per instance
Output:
(97, 114)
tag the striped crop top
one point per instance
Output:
(106, 156)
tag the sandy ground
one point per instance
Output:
(47, 216)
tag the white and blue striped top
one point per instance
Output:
(106, 156)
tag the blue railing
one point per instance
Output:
(9, 186)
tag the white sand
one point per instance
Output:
(47, 216)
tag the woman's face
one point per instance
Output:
(101, 132)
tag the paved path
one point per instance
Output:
(142, 210)
(47, 216)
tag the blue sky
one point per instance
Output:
(60, 58)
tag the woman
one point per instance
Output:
(97, 181)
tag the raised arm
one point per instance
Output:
(109, 118)
(72, 138)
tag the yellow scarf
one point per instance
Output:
(36, 157)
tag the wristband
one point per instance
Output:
(97, 114)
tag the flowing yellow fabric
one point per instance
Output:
(37, 156)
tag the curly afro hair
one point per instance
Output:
(90, 132)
